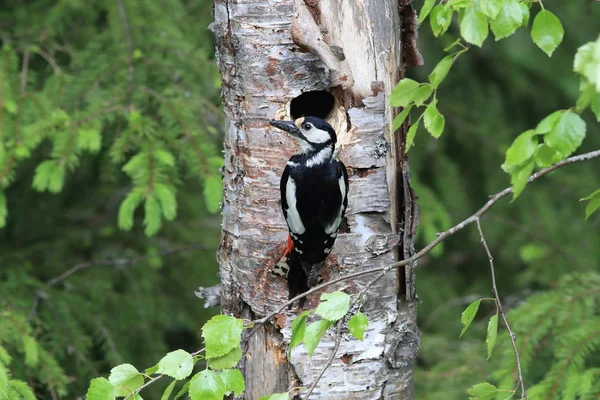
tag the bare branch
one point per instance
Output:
(513, 338)
(122, 262)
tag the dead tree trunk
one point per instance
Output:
(340, 60)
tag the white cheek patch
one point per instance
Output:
(293, 217)
(317, 135)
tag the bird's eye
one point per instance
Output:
(307, 127)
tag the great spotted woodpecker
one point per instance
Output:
(314, 197)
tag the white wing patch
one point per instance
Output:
(292, 216)
(334, 226)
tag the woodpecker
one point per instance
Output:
(314, 197)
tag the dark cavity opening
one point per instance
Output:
(312, 104)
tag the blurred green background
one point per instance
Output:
(86, 87)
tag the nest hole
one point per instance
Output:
(317, 103)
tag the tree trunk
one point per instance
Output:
(348, 55)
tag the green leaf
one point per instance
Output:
(586, 95)
(545, 156)
(525, 13)
(127, 208)
(404, 93)
(333, 306)
(595, 106)
(314, 333)
(427, 6)
(468, 315)
(547, 32)
(490, 8)
(298, 329)
(519, 178)
(508, 20)
(234, 381)
(3, 210)
(423, 93)
(125, 378)
(177, 364)
(207, 385)
(594, 203)
(522, 148)
(152, 215)
(433, 120)
(213, 193)
(410, 136)
(276, 396)
(222, 334)
(587, 63)
(30, 347)
(184, 389)
(100, 389)
(357, 325)
(567, 134)
(440, 19)
(168, 390)
(399, 119)
(492, 334)
(483, 391)
(547, 124)
(441, 70)
(229, 360)
(474, 26)
(459, 4)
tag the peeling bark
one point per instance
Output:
(269, 52)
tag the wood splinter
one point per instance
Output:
(307, 34)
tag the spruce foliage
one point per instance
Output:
(108, 120)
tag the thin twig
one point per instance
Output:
(150, 382)
(50, 60)
(114, 262)
(336, 347)
(24, 71)
(120, 262)
(513, 338)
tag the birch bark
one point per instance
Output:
(269, 53)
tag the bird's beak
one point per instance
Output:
(287, 126)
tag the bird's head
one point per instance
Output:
(312, 133)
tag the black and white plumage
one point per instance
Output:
(314, 195)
